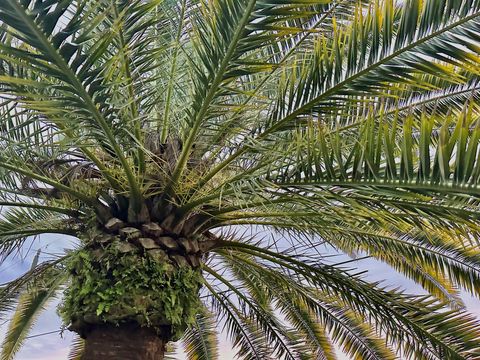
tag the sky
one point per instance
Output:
(56, 346)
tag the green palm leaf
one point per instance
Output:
(423, 326)
(155, 132)
(201, 341)
(30, 304)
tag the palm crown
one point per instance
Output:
(351, 123)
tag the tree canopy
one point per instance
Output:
(263, 130)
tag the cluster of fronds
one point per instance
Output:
(352, 123)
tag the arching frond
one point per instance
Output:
(312, 315)
(76, 349)
(29, 306)
(201, 341)
(247, 338)
(346, 126)
(17, 224)
(411, 312)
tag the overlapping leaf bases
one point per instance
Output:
(347, 123)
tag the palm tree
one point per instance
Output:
(207, 153)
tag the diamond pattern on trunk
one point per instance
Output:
(158, 242)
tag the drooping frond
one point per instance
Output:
(369, 192)
(30, 303)
(245, 336)
(264, 322)
(76, 349)
(201, 341)
(311, 317)
(17, 224)
(344, 125)
(304, 323)
(422, 316)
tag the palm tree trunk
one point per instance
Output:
(123, 342)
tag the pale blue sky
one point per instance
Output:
(56, 347)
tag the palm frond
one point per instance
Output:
(17, 224)
(55, 59)
(365, 61)
(76, 349)
(312, 314)
(305, 326)
(30, 304)
(274, 330)
(410, 312)
(201, 341)
(248, 339)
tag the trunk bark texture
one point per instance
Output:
(124, 342)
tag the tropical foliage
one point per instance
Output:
(254, 133)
